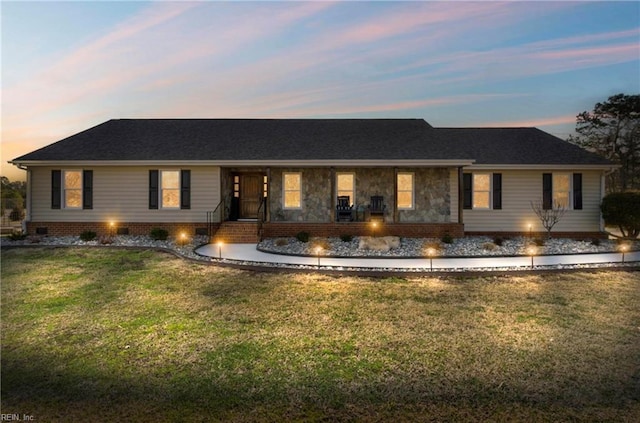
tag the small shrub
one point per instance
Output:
(346, 237)
(16, 214)
(159, 234)
(447, 239)
(281, 242)
(595, 242)
(88, 236)
(303, 236)
(17, 236)
(622, 209)
(498, 241)
(539, 242)
(105, 240)
(34, 239)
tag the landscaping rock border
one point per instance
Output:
(416, 247)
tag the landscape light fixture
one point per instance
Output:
(183, 238)
(623, 249)
(318, 251)
(531, 250)
(112, 228)
(431, 252)
(530, 231)
(220, 249)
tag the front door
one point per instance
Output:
(250, 195)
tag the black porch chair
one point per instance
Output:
(376, 207)
(344, 209)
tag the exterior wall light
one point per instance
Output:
(374, 226)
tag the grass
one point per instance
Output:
(113, 335)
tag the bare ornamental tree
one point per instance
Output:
(549, 216)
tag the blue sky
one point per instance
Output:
(67, 66)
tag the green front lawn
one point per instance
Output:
(115, 335)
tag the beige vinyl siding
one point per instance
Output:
(519, 188)
(121, 194)
(453, 194)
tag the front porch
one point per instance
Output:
(328, 201)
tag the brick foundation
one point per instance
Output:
(103, 228)
(407, 230)
(289, 229)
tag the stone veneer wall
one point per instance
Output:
(374, 181)
(432, 198)
(316, 196)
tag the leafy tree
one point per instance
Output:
(612, 130)
(622, 209)
(13, 194)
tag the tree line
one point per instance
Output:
(612, 130)
(13, 197)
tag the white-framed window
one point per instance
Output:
(72, 183)
(292, 190)
(481, 190)
(346, 186)
(562, 189)
(405, 182)
(170, 189)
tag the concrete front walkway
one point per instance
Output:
(249, 253)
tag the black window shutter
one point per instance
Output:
(87, 189)
(185, 189)
(547, 191)
(577, 191)
(56, 189)
(497, 191)
(153, 189)
(467, 191)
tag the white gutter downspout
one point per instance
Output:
(27, 217)
(603, 179)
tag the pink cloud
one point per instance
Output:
(527, 123)
(362, 106)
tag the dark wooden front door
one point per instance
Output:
(250, 195)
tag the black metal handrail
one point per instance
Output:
(261, 215)
(211, 216)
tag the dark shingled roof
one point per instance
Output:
(309, 139)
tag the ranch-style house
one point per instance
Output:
(238, 180)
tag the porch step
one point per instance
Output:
(237, 233)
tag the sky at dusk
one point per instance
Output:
(68, 66)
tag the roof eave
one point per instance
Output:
(289, 163)
(603, 166)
